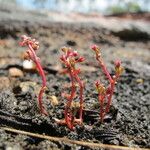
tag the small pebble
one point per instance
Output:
(54, 101)
(4, 83)
(15, 72)
(26, 86)
(28, 65)
(14, 147)
(139, 81)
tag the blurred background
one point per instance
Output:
(112, 24)
(120, 27)
(85, 6)
(109, 23)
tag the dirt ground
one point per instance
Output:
(127, 124)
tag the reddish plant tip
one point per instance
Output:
(75, 53)
(64, 49)
(80, 59)
(95, 48)
(25, 40)
(77, 71)
(117, 63)
(71, 53)
(35, 45)
(24, 37)
(70, 57)
(118, 68)
(62, 58)
(97, 83)
(100, 87)
(28, 40)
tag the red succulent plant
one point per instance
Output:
(105, 93)
(70, 58)
(30, 54)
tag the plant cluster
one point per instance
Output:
(69, 59)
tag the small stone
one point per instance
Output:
(54, 101)
(115, 142)
(23, 106)
(14, 147)
(140, 81)
(28, 65)
(4, 83)
(26, 86)
(15, 72)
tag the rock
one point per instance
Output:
(14, 147)
(114, 142)
(54, 101)
(130, 30)
(140, 81)
(133, 34)
(4, 83)
(29, 86)
(28, 65)
(15, 72)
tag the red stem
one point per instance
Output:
(41, 72)
(40, 69)
(111, 93)
(101, 101)
(110, 97)
(106, 72)
(69, 119)
(42, 108)
(81, 97)
(112, 83)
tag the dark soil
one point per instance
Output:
(127, 124)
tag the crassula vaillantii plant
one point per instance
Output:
(105, 93)
(30, 54)
(70, 58)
